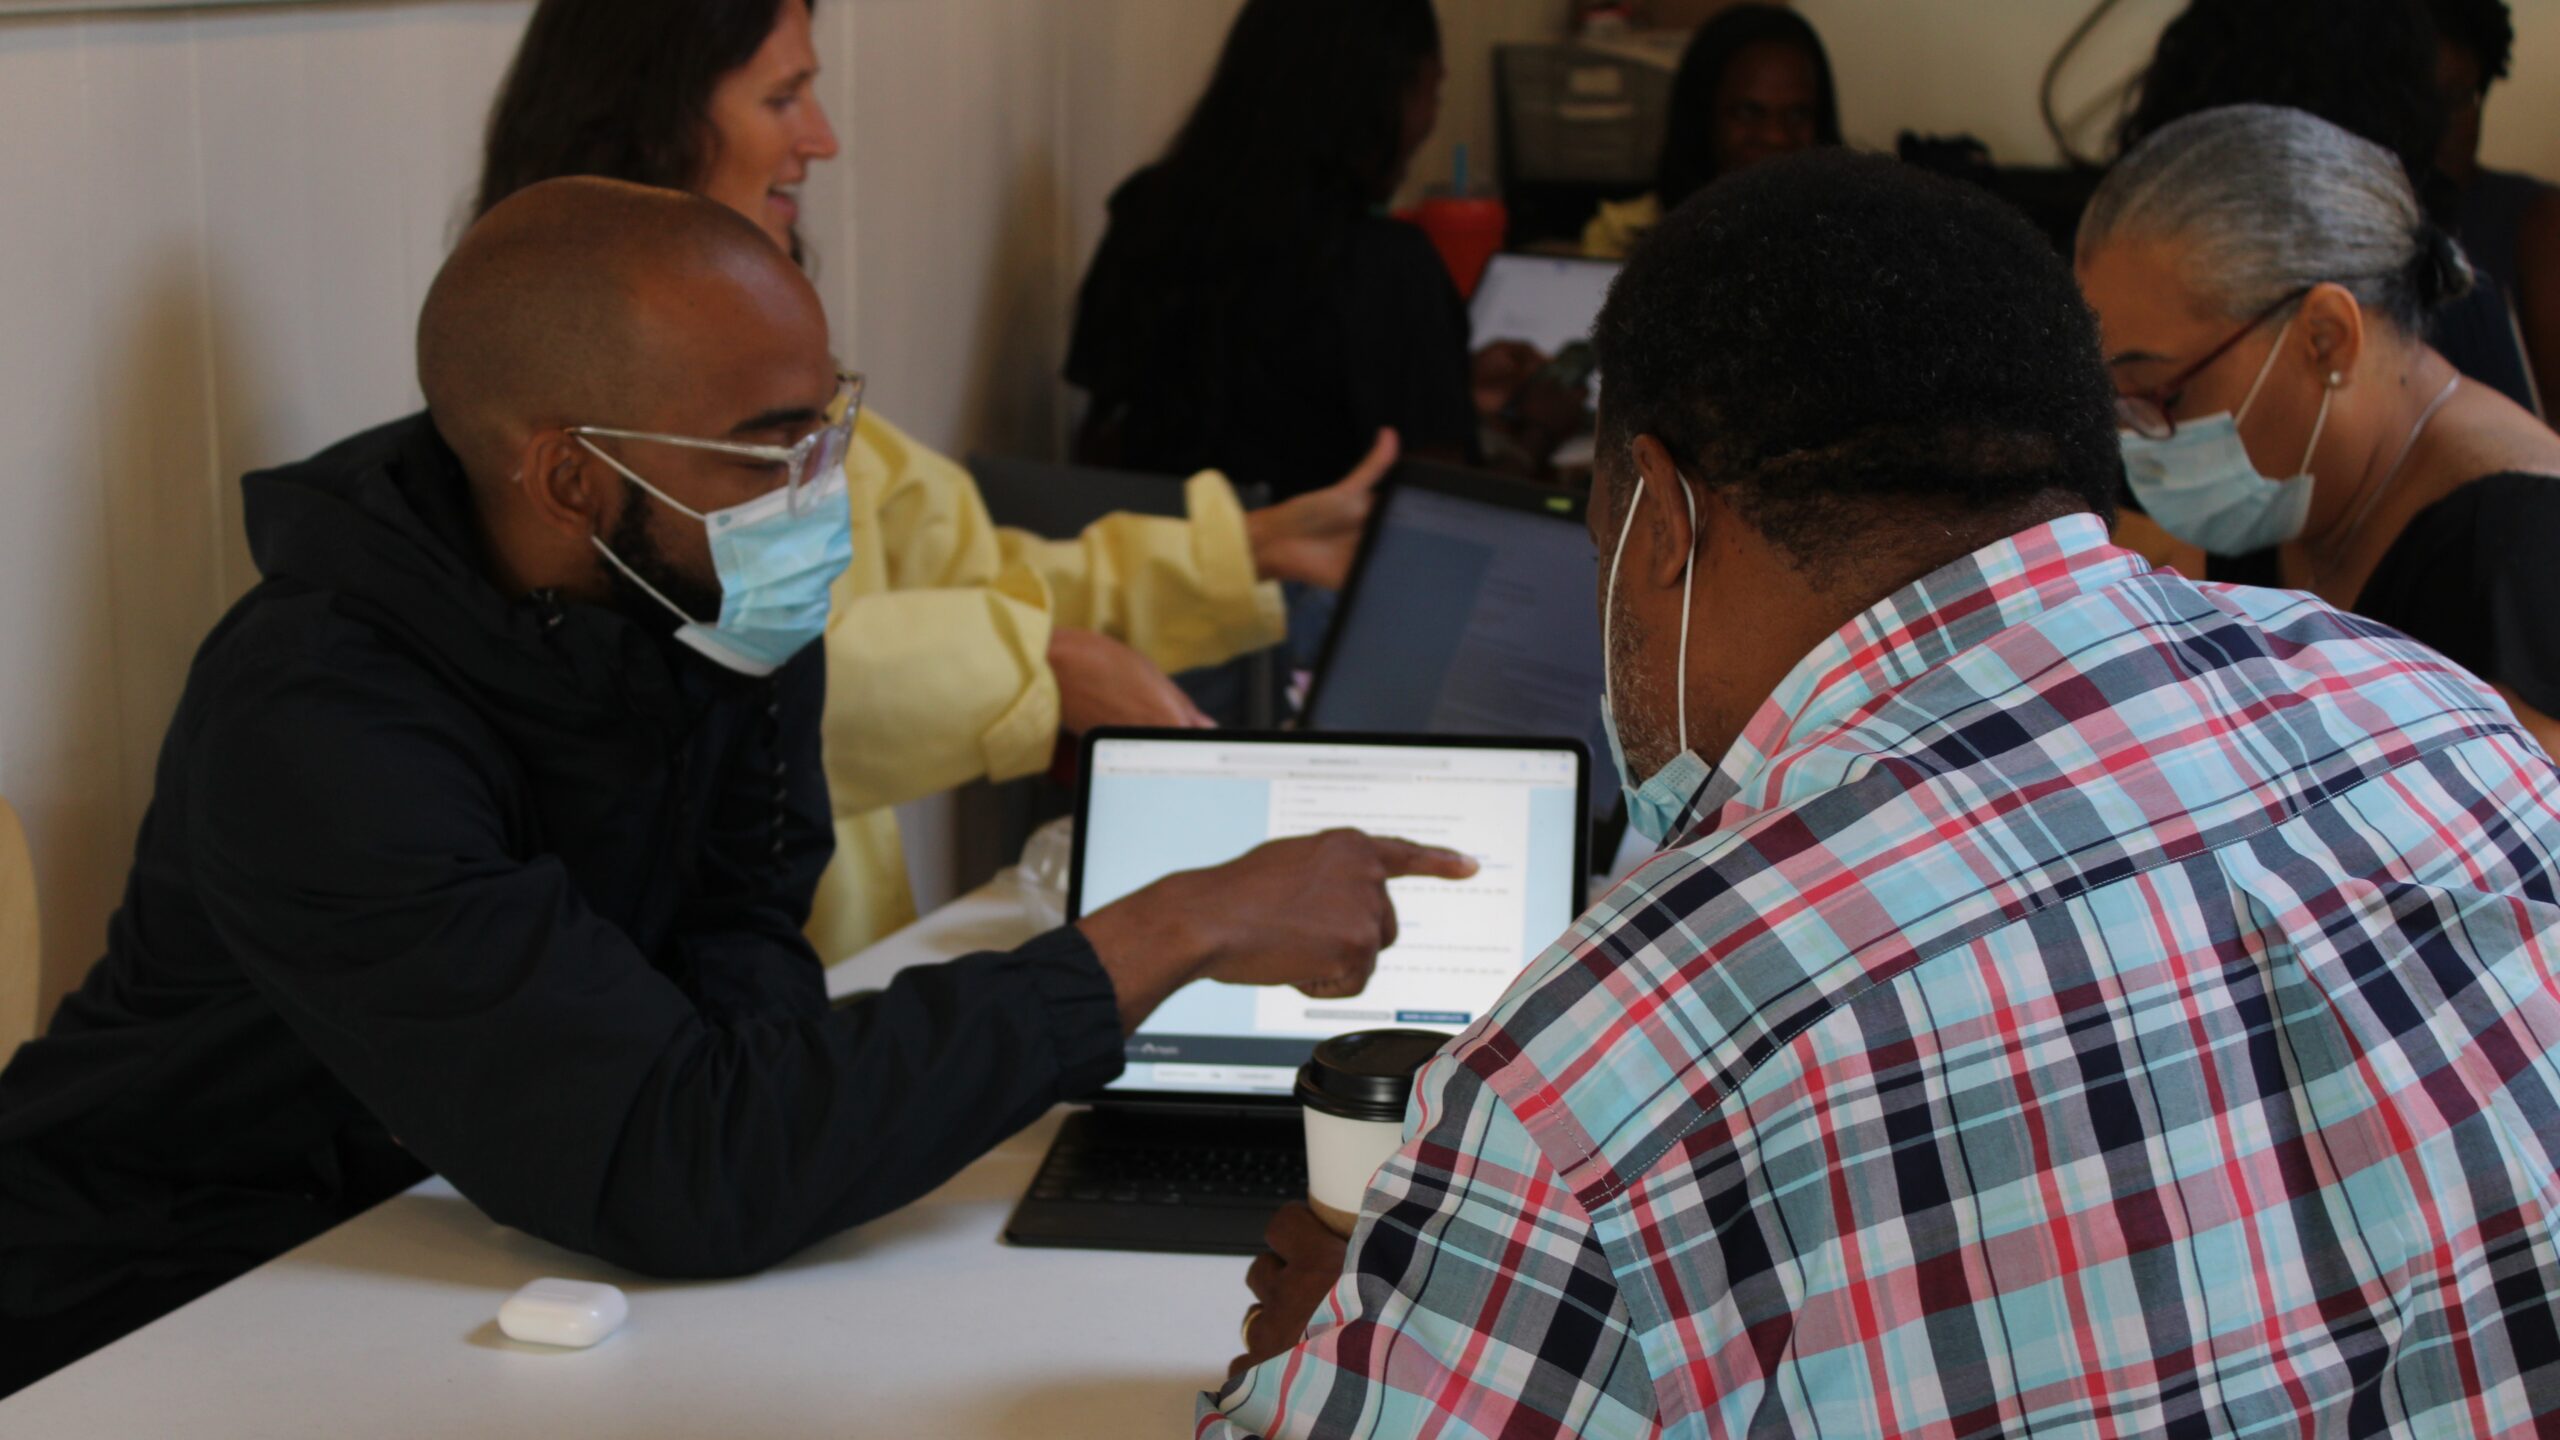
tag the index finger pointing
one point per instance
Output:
(1403, 857)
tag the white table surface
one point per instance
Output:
(919, 1325)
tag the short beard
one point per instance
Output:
(1647, 734)
(637, 548)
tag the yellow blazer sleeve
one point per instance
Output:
(1182, 592)
(937, 651)
(928, 690)
(928, 526)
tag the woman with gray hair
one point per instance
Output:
(2262, 280)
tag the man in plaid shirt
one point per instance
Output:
(2081, 1001)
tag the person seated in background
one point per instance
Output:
(1251, 306)
(2264, 280)
(976, 645)
(2077, 998)
(2368, 66)
(1753, 85)
(489, 820)
(2508, 223)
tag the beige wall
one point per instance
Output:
(219, 229)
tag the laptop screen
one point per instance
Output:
(1549, 301)
(1156, 803)
(1475, 612)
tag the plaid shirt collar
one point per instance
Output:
(1951, 609)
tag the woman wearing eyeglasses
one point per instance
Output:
(955, 650)
(2262, 280)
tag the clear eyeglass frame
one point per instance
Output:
(807, 463)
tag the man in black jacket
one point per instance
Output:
(480, 846)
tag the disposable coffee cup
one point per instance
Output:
(1354, 1090)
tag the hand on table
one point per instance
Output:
(1298, 1267)
(1313, 538)
(1312, 912)
(1103, 682)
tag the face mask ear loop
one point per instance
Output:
(2265, 370)
(2328, 393)
(1688, 581)
(668, 500)
(1609, 602)
(607, 551)
(672, 608)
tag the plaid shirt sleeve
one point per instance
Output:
(1476, 1301)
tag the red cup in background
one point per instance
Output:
(1468, 233)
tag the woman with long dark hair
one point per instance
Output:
(1252, 307)
(955, 649)
(1754, 84)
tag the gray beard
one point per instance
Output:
(1648, 732)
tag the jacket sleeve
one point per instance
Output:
(357, 857)
(737, 940)
(1182, 592)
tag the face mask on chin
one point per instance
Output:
(1656, 803)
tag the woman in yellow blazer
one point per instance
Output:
(956, 650)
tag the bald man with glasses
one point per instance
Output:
(487, 827)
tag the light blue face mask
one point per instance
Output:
(777, 556)
(2202, 487)
(1655, 805)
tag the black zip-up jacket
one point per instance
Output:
(511, 890)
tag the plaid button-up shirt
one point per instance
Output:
(2085, 1002)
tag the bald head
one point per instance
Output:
(593, 302)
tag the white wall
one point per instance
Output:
(220, 227)
(217, 233)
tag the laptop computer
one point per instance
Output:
(1550, 301)
(1199, 1140)
(1473, 609)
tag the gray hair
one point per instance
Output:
(2268, 201)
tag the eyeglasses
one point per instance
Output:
(2147, 414)
(806, 464)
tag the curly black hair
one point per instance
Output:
(2365, 66)
(2482, 27)
(1833, 338)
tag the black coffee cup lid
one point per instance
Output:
(1367, 1074)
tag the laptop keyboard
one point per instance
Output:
(1130, 1170)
